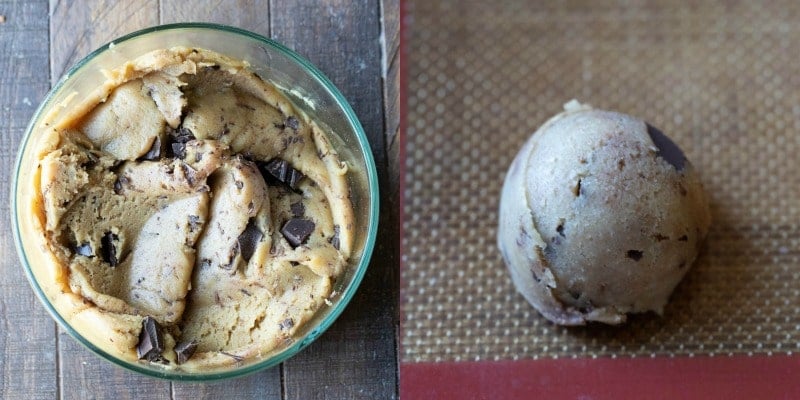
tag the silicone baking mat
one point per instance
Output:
(721, 78)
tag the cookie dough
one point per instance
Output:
(601, 215)
(193, 217)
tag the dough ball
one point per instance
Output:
(601, 215)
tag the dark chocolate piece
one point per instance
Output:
(298, 209)
(293, 177)
(278, 170)
(334, 240)
(189, 173)
(635, 255)
(179, 150)
(155, 150)
(179, 139)
(249, 239)
(108, 249)
(293, 123)
(184, 351)
(183, 135)
(667, 149)
(297, 230)
(151, 340)
(288, 323)
(119, 183)
(84, 249)
(659, 237)
(194, 222)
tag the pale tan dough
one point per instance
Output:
(160, 172)
(600, 216)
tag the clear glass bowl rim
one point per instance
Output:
(369, 241)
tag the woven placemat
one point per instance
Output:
(721, 78)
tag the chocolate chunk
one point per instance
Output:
(155, 150)
(184, 351)
(298, 209)
(183, 135)
(194, 222)
(659, 237)
(108, 249)
(151, 340)
(84, 249)
(334, 240)
(179, 150)
(249, 239)
(288, 323)
(635, 255)
(293, 123)
(297, 230)
(179, 139)
(119, 183)
(189, 173)
(293, 177)
(683, 238)
(278, 170)
(667, 149)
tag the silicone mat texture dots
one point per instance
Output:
(721, 79)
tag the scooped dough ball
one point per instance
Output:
(601, 215)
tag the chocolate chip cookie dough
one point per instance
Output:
(192, 216)
(601, 215)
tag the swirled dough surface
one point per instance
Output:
(162, 196)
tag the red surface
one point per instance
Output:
(721, 377)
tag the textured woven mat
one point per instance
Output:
(722, 79)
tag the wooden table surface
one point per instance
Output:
(355, 43)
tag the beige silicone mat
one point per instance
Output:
(722, 79)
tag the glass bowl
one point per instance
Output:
(301, 82)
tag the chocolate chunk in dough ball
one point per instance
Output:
(600, 215)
